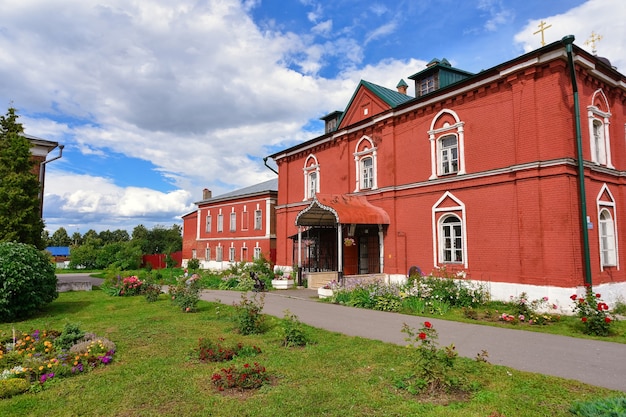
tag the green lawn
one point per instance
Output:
(155, 371)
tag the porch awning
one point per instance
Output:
(332, 209)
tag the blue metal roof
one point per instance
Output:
(59, 250)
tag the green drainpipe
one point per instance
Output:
(568, 41)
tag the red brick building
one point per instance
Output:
(40, 148)
(478, 173)
(234, 227)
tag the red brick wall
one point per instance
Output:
(523, 225)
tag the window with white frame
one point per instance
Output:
(218, 254)
(607, 239)
(233, 221)
(451, 239)
(258, 220)
(257, 252)
(447, 144)
(365, 164)
(207, 253)
(448, 155)
(449, 231)
(193, 254)
(220, 223)
(311, 177)
(244, 219)
(231, 254)
(208, 224)
(599, 121)
(367, 172)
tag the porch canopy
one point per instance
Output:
(333, 209)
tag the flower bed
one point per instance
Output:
(39, 356)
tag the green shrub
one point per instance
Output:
(27, 280)
(606, 407)
(293, 331)
(594, 314)
(13, 386)
(193, 264)
(69, 336)
(186, 296)
(247, 315)
(217, 351)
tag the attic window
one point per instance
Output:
(427, 85)
(365, 111)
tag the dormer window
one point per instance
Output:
(427, 85)
(331, 121)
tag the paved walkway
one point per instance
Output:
(594, 362)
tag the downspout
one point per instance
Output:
(568, 41)
(42, 170)
(271, 169)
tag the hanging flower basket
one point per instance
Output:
(348, 241)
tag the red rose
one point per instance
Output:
(422, 335)
(584, 319)
(427, 324)
(598, 296)
(607, 319)
(573, 297)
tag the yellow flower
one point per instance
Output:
(41, 368)
(75, 363)
(49, 365)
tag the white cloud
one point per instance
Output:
(605, 17)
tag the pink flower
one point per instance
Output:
(545, 298)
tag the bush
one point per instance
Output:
(248, 316)
(186, 296)
(594, 314)
(193, 264)
(13, 386)
(244, 377)
(27, 280)
(211, 351)
(293, 331)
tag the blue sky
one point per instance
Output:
(155, 100)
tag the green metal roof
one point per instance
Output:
(391, 97)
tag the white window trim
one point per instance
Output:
(308, 169)
(596, 115)
(258, 215)
(370, 151)
(232, 226)
(207, 253)
(232, 254)
(219, 254)
(435, 134)
(609, 206)
(220, 222)
(257, 252)
(207, 226)
(439, 213)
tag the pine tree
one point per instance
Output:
(20, 215)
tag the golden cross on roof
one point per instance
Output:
(542, 27)
(592, 41)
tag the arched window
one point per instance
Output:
(365, 165)
(448, 155)
(447, 144)
(449, 231)
(599, 116)
(311, 177)
(451, 238)
(607, 228)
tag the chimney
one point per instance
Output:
(206, 194)
(402, 87)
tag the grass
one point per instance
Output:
(155, 371)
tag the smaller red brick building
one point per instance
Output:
(234, 227)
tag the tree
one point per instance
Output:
(20, 210)
(60, 238)
(77, 239)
